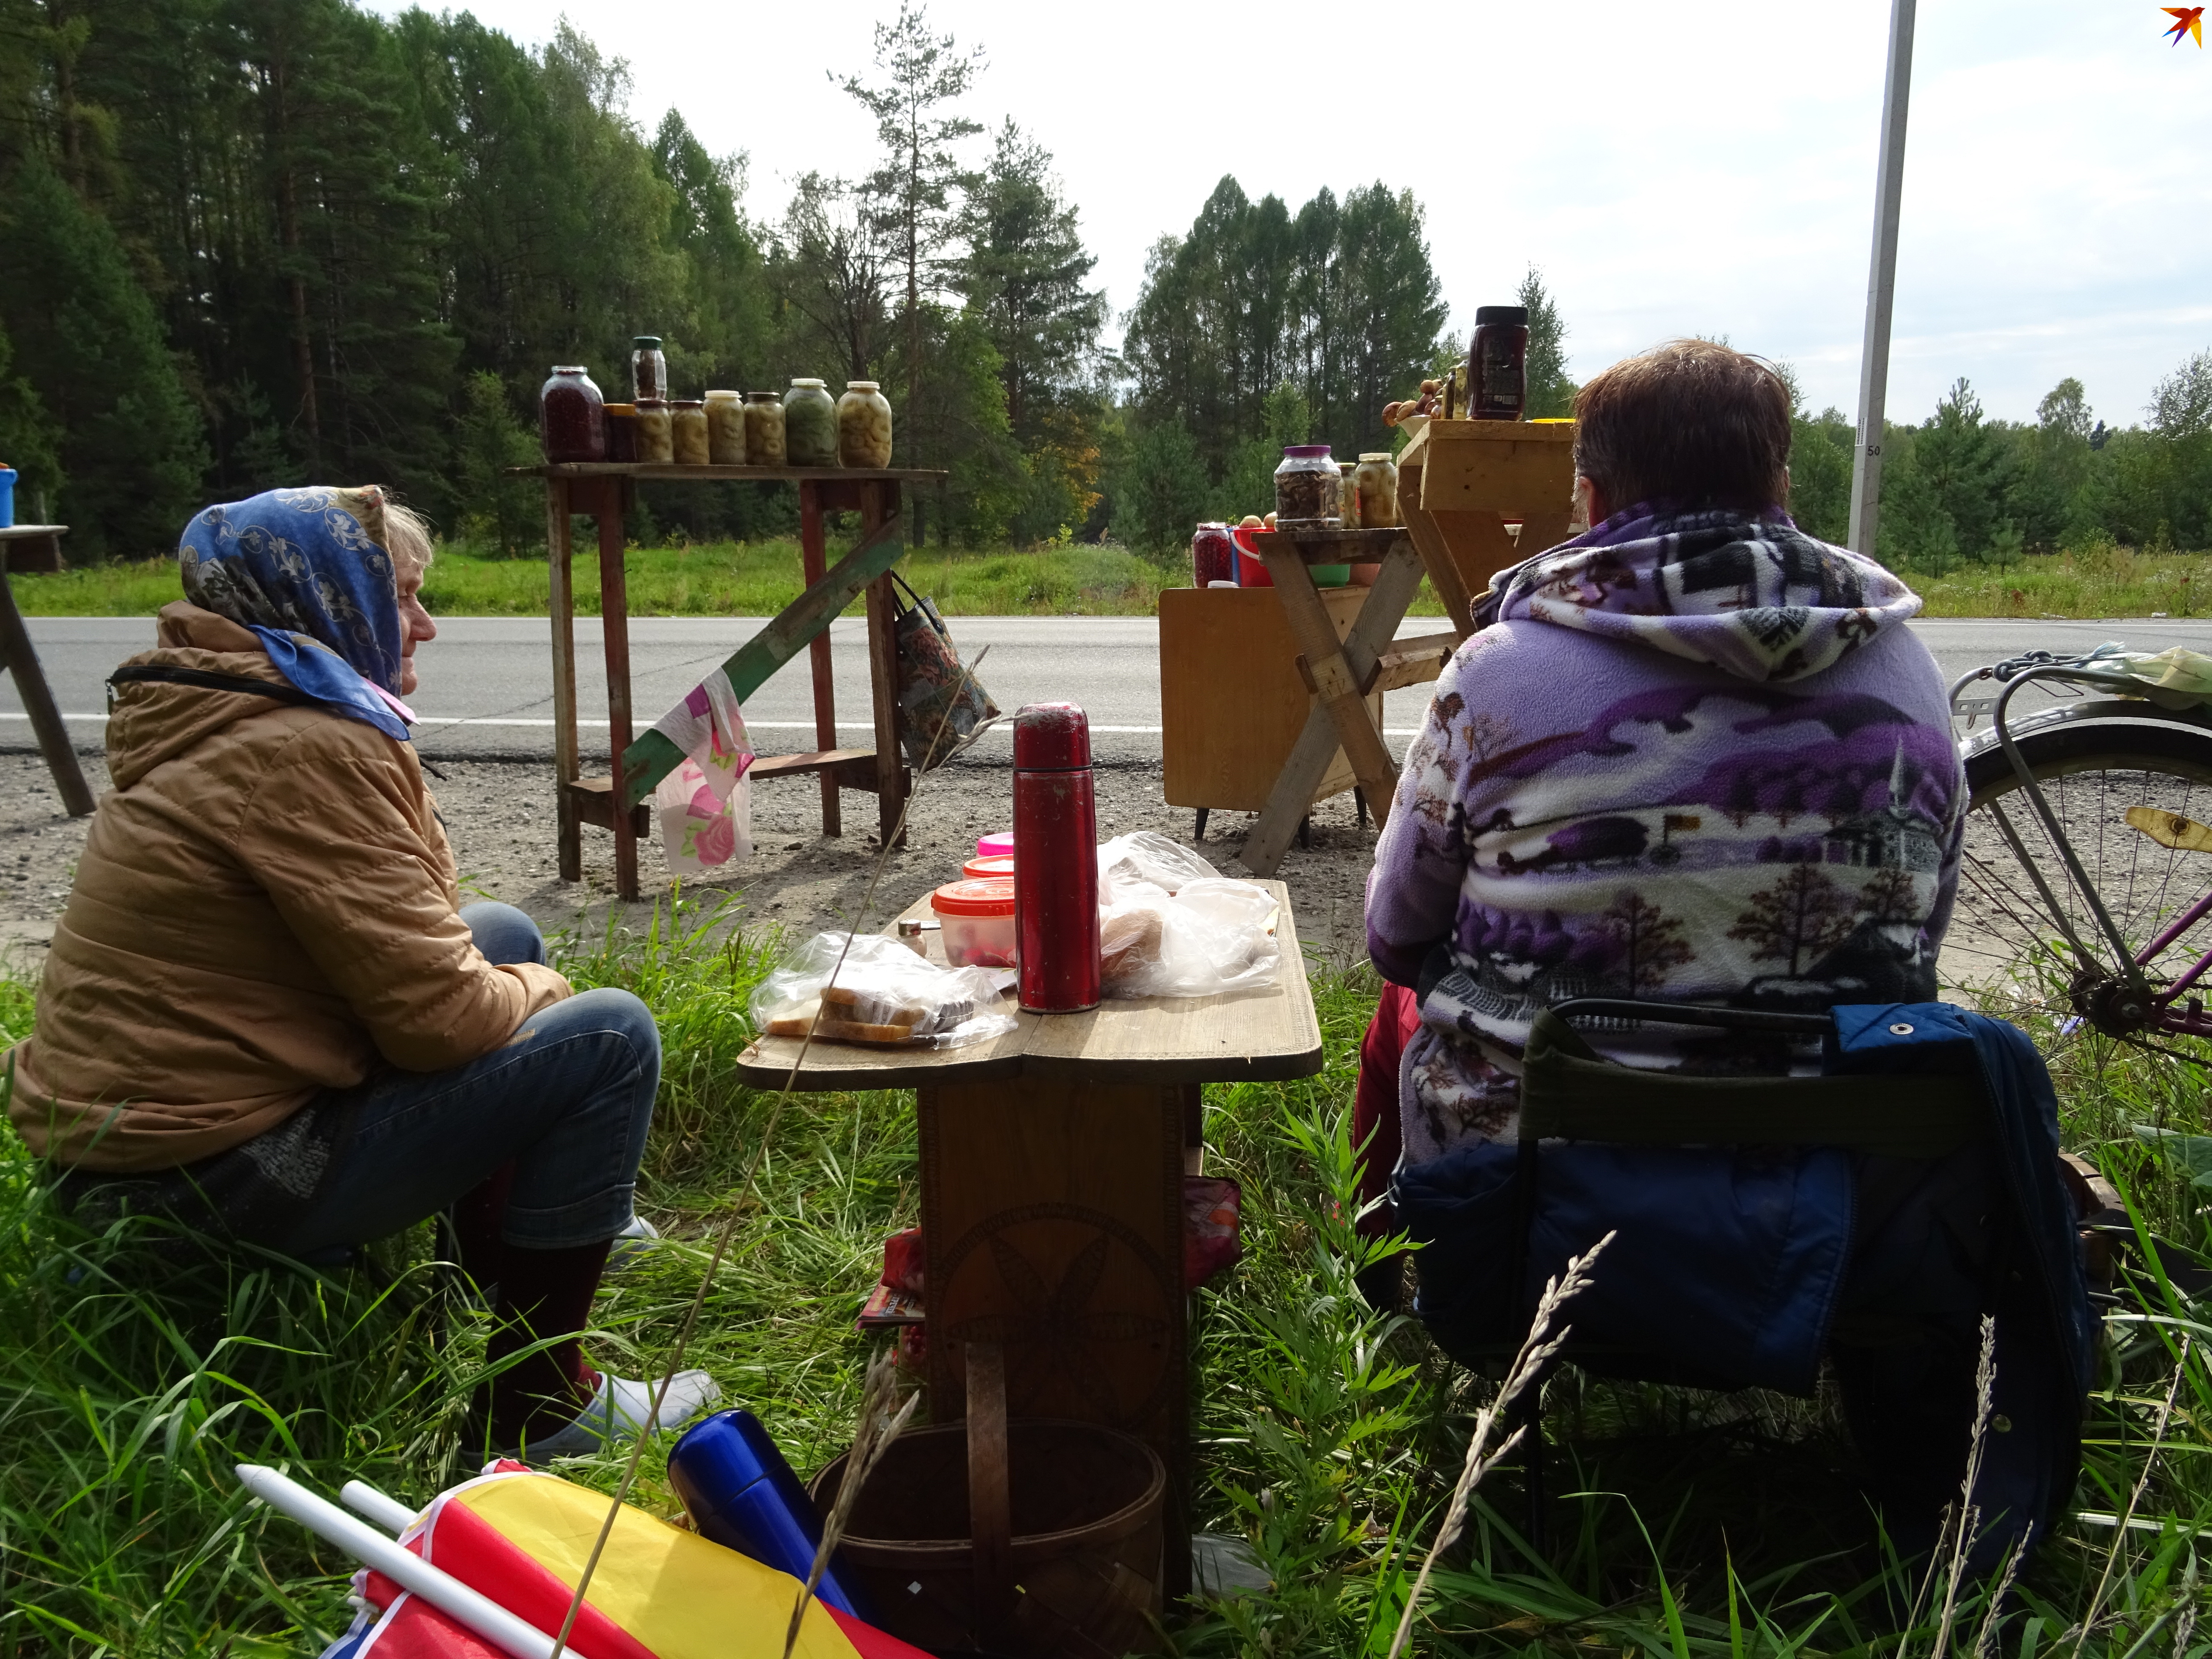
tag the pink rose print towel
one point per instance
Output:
(705, 805)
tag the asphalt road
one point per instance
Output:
(487, 689)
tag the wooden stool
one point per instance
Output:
(38, 547)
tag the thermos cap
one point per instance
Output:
(1051, 737)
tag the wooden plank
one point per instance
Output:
(1267, 1035)
(879, 506)
(32, 549)
(605, 503)
(811, 567)
(645, 763)
(1369, 636)
(1333, 680)
(1513, 467)
(561, 607)
(1437, 555)
(1231, 704)
(592, 799)
(23, 665)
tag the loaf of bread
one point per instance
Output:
(863, 1007)
(1128, 946)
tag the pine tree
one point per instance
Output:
(89, 343)
(1797, 921)
(1550, 392)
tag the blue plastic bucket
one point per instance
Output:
(7, 497)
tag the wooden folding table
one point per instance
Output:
(603, 491)
(28, 547)
(1052, 1167)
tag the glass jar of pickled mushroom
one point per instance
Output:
(572, 422)
(622, 432)
(656, 437)
(648, 369)
(863, 425)
(726, 429)
(1378, 490)
(1347, 495)
(687, 425)
(1309, 490)
(809, 425)
(764, 429)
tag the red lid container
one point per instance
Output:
(992, 896)
(999, 863)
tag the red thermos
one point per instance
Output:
(1055, 860)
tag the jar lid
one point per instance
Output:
(1305, 450)
(1051, 737)
(807, 383)
(687, 403)
(648, 342)
(1378, 455)
(1511, 315)
(999, 866)
(763, 398)
(626, 409)
(862, 386)
(653, 403)
(570, 369)
(725, 394)
(992, 896)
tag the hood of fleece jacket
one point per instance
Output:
(1754, 596)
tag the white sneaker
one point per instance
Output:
(632, 1242)
(618, 1411)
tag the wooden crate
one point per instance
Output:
(1231, 702)
(1459, 482)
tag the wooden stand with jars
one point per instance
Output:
(604, 490)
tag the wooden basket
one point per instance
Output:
(1071, 1565)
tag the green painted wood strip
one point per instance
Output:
(652, 756)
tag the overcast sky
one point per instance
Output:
(1696, 166)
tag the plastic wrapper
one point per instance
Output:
(1213, 936)
(882, 994)
(1147, 858)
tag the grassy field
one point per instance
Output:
(760, 578)
(142, 1364)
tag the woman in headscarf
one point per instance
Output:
(265, 1011)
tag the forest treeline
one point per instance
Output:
(245, 243)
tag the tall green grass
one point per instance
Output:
(142, 1363)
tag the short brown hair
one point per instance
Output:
(1690, 422)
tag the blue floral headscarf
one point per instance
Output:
(309, 571)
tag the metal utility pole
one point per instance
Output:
(1881, 284)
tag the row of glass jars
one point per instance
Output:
(803, 427)
(1312, 491)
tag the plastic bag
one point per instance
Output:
(883, 994)
(1212, 935)
(2176, 678)
(705, 806)
(1147, 860)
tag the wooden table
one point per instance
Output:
(1343, 673)
(1052, 1166)
(604, 490)
(38, 547)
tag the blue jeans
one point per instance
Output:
(568, 1099)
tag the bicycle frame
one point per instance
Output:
(2140, 1005)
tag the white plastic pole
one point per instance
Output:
(389, 1513)
(1881, 285)
(371, 1548)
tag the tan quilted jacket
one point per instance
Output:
(266, 905)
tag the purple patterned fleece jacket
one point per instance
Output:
(1693, 757)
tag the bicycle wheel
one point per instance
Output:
(2024, 941)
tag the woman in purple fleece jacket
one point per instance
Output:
(1692, 755)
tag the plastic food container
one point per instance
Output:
(981, 868)
(998, 846)
(978, 919)
(7, 497)
(1251, 569)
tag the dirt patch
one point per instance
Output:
(500, 816)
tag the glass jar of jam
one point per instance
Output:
(1378, 490)
(1213, 556)
(809, 425)
(1309, 490)
(864, 426)
(648, 369)
(622, 432)
(764, 429)
(1497, 364)
(726, 429)
(572, 422)
(656, 435)
(687, 429)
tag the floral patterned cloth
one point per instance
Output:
(1688, 757)
(307, 570)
